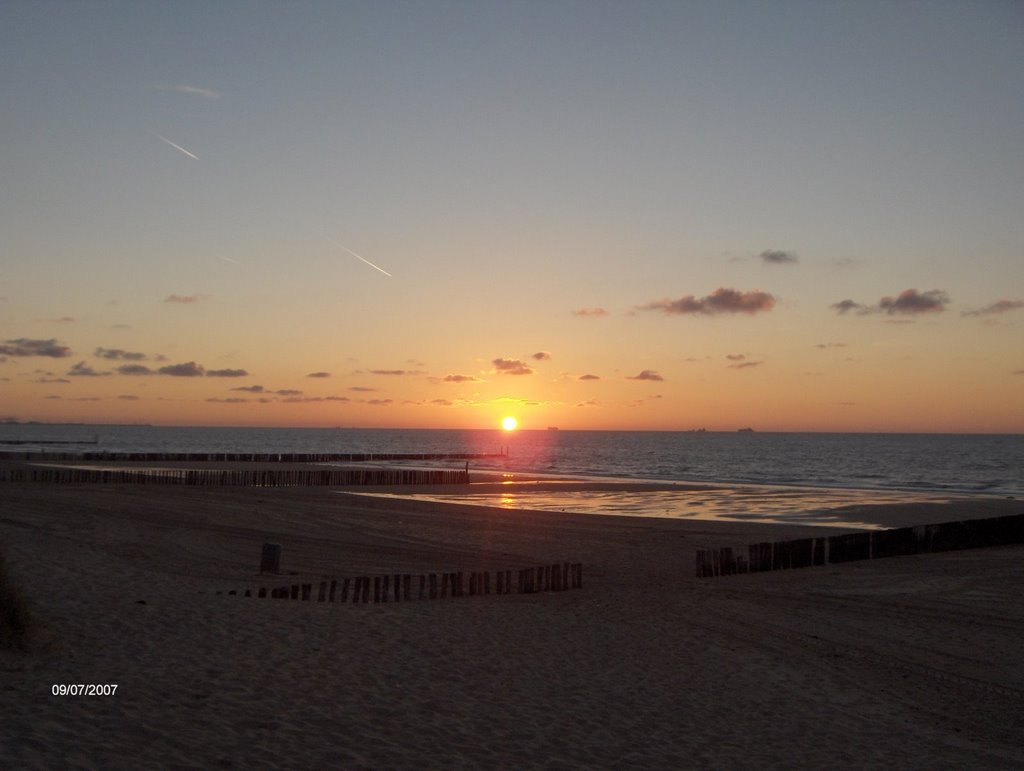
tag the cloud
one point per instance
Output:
(227, 373)
(590, 313)
(319, 374)
(845, 306)
(128, 398)
(909, 302)
(588, 377)
(288, 392)
(46, 380)
(24, 346)
(227, 400)
(541, 356)
(511, 367)
(116, 354)
(720, 301)
(745, 364)
(187, 369)
(778, 257)
(184, 299)
(380, 402)
(395, 372)
(205, 93)
(135, 369)
(647, 374)
(253, 389)
(84, 370)
(1000, 306)
(461, 379)
(824, 346)
(735, 356)
(362, 389)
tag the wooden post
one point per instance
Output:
(262, 592)
(295, 591)
(322, 596)
(423, 584)
(407, 586)
(307, 590)
(270, 561)
(344, 590)
(376, 588)
(433, 586)
(334, 588)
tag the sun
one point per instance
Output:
(509, 423)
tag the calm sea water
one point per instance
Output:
(987, 464)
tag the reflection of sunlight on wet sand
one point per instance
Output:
(781, 505)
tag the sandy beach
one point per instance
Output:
(909, 662)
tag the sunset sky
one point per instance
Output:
(591, 215)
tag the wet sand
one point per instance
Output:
(908, 662)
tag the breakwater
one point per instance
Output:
(246, 457)
(872, 544)
(406, 587)
(237, 477)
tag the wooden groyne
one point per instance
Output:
(246, 457)
(869, 544)
(406, 587)
(238, 477)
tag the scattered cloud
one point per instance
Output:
(1000, 306)
(184, 299)
(846, 306)
(511, 367)
(205, 93)
(735, 356)
(135, 369)
(128, 398)
(24, 346)
(186, 369)
(778, 257)
(84, 370)
(909, 302)
(379, 402)
(253, 389)
(48, 379)
(647, 374)
(541, 356)
(227, 373)
(227, 400)
(745, 364)
(361, 389)
(61, 320)
(319, 374)
(591, 313)
(461, 379)
(720, 301)
(396, 372)
(116, 354)
(825, 346)
(589, 377)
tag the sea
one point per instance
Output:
(972, 464)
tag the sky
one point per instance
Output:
(795, 216)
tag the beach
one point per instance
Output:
(909, 662)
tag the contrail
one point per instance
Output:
(177, 147)
(228, 259)
(340, 246)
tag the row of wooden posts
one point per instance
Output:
(868, 544)
(243, 457)
(239, 477)
(406, 587)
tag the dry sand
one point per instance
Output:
(910, 662)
